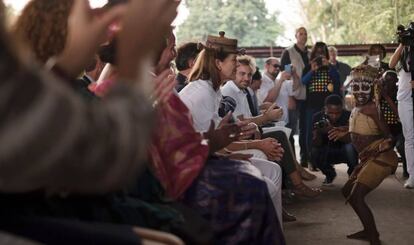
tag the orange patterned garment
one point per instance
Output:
(177, 152)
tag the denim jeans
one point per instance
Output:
(326, 156)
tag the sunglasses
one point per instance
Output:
(276, 66)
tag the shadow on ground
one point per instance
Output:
(327, 220)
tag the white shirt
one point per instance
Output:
(263, 91)
(282, 99)
(242, 105)
(203, 102)
(404, 86)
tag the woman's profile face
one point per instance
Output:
(228, 67)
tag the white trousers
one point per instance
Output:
(405, 111)
(272, 174)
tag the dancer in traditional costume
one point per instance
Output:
(373, 141)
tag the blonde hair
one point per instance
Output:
(332, 48)
(247, 60)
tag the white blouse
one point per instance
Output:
(203, 102)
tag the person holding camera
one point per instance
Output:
(329, 142)
(321, 80)
(404, 57)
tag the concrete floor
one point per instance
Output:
(327, 220)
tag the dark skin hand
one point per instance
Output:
(224, 135)
(338, 133)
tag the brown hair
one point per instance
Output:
(319, 45)
(205, 66)
(43, 26)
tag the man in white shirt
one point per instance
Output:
(276, 90)
(237, 89)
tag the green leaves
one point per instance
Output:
(247, 20)
(356, 21)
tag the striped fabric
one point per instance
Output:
(51, 139)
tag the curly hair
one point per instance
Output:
(43, 27)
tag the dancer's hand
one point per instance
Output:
(385, 145)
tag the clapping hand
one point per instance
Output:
(145, 26)
(225, 133)
(163, 86)
(86, 32)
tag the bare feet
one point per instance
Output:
(364, 235)
(375, 240)
(360, 235)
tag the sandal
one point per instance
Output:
(305, 191)
(305, 174)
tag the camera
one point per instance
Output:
(318, 61)
(405, 36)
(323, 123)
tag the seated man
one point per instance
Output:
(329, 144)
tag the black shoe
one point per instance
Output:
(328, 180)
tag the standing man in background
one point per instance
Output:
(298, 56)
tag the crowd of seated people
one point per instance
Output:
(119, 148)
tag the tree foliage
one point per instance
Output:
(355, 21)
(247, 20)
